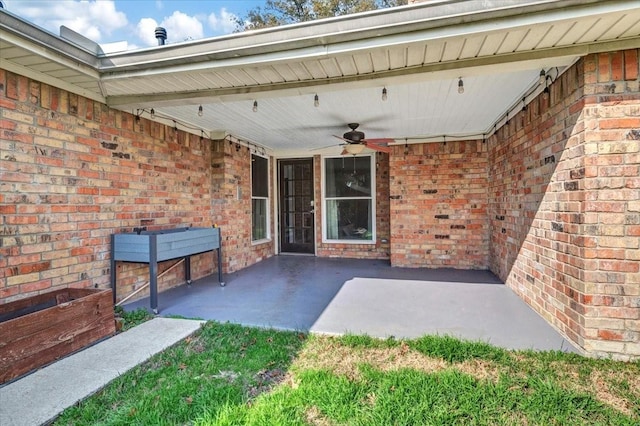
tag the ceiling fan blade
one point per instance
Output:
(343, 139)
(380, 141)
(377, 147)
(327, 146)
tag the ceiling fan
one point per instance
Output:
(355, 141)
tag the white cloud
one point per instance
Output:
(223, 23)
(93, 19)
(146, 31)
(179, 26)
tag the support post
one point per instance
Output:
(113, 268)
(187, 269)
(222, 283)
(153, 273)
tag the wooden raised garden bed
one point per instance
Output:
(40, 329)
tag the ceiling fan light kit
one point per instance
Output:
(354, 148)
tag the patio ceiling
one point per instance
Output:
(416, 52)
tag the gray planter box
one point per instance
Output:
(157, 246)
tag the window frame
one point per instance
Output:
(267, 199)
(372, 198)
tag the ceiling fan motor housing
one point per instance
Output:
(354, 135)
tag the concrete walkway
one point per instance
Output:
(41, 396)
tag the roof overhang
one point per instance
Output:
(417, 52)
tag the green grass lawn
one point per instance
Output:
(232, 375)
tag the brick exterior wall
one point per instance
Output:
(551, 203)
(231, 201)
(564, 187)
(438, 205)
(611, 205)
(379, 250)
(74, 171)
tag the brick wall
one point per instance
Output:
(563, 189)
(379, 250)
(72, 172)
(611, 205)
(438, 205)
(231, 205)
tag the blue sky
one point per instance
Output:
(134, 21)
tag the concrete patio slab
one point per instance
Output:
(410, 309)
(40, 397)
(365, 296)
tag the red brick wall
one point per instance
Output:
(231, 201)
(611, 206)
(73, 171)
(563, 208)
(379, 250)
(438, 205)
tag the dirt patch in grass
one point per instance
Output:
(515, 418)
(592, 378)
(617, 388)
(265, 380)
(227, 376)
(314, 417)
(195, 344)
(601, 383)
(602, 390)
(327, 354)
(480, 369)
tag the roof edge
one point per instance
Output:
(354, 27)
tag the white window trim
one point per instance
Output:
(268, 199)
(374, 191)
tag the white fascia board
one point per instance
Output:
(384, 41)
(52, 81)
(371, 24)
(40, 41)
(49, 55)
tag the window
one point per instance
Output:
(259, 198)
(349, 188)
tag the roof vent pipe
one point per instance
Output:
(161, 35)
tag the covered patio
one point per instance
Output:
(335, 296)
(486, 136)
